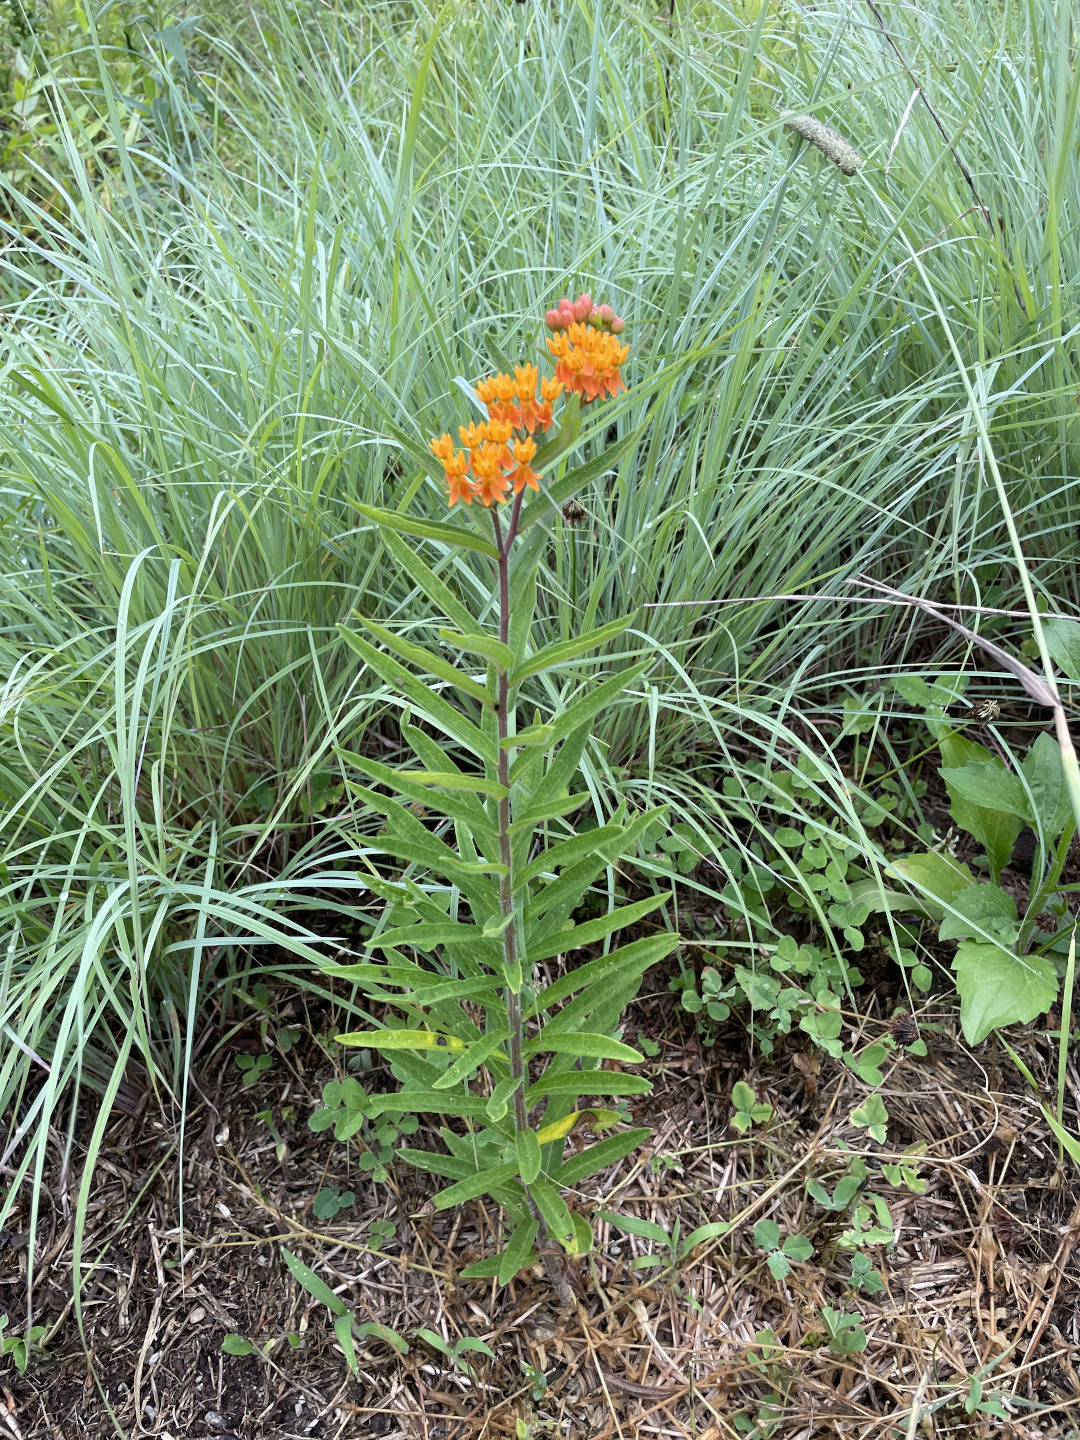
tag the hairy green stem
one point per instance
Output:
(511, 958)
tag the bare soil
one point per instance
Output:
(982, 1278)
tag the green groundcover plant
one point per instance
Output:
(494, 868)
(1007, 964)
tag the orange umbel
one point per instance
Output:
(496, 459)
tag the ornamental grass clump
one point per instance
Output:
(490, 871)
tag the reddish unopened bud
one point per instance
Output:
(552, 320)
(579, 312)
(618, 325)
(604, 315)
(585, 299)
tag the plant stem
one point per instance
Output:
(506, 888)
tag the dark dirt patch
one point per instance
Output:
(983, 1271)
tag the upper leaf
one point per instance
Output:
(563, 651)
(425, 529)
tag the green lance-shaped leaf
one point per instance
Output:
(401, 1040)
(423, 852)
(429, 1102)
(437, 591)
(584, 1046)
(518, 1253)
(454, 780)
(471, 1060)
(458, 806)
(428, 936)
(531, 735)
(433, 664)
(313, 1285)
(425, 529)
(633, 1225)
(574, 937)
(436, 1163)
(499, 1101)
(563, 651)
(638, 955)
(343, 1331)
(527, 1148)
(556, 1215)
(558, 898)
(565, 852)
(551, 810)
(452, 722)
(482, 1183)
(582, 711)
(587, 1082)
(559, 441)
(484, 645)
(598, 1157)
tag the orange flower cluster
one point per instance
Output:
(588, 360)
(586, 346)
(497, 451)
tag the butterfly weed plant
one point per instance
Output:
(484, 818)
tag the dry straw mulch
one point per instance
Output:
(983, 1273)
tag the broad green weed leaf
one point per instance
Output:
(990, 787)
(1063, 642)
(1046, 779)
(997, 988)
(985, 908)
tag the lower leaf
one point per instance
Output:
(998, 988)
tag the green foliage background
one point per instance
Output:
(245, 254)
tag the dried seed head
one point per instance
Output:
(574, 513)
(904, 1028)
(829, 141)
(985, 710)
(1047, 921)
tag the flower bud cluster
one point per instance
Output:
(582, 311)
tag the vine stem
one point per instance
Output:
(512, 961)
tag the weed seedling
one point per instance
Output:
(779, 1257)
(747, 1112)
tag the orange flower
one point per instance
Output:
(498, 452)
(523, 474)
(588, 360)
(488, 465)
(457, 482)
